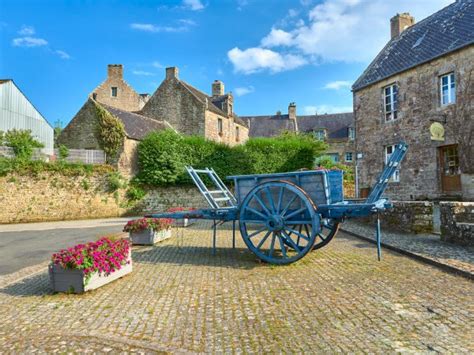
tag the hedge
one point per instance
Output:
(163, 155)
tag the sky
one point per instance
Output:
(268, 53)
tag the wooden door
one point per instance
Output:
(449, 168)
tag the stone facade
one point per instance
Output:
(116, 92)
(193, 112)
(457, 222)
(418, 107)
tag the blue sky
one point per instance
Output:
(268, 53)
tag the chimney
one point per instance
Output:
(172, 73)
(292, 111)
(217, 88)
(115, 71)
(400, 22)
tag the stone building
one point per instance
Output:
(420, 89)
(82, 132)
(116, 92)
(192, 112)
(337, 130)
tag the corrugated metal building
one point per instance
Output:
(17, 112)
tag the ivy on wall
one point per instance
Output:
(111, 132)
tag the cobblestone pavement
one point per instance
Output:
(429, 246)
(181, 298)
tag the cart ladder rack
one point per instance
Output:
(392, 165)
(219, 197)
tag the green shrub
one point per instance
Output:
(327, 163)
(135, 193)
(163, 155)
(85, 184)
(63, 152)
(22, 143)
(115, 181)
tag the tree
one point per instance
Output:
(22, 142)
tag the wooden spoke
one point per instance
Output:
(298, 233)
(272, 245)
(257, 232)
(259, 200)
(282, 246)
(288, 205)
(280, 199)
(270, 199)
(263, 240)
(256, 212)
(291, 242)
(294, 213)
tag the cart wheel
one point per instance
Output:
(329, 228)
(270, 219)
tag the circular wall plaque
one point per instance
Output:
(437, 131)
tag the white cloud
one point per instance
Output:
(148, 27)
(142, 72)
(241, 4)
(194, 5)
(241, 91)
(29, 42)
(332, 31)
(26, 30)
(276, 38)
(338, 84)
(62, 54)
(187, 22)
(322, 109)
(252, 60)
(157, 64)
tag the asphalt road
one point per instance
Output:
(30, 244)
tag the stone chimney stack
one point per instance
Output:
(400, 22)
(115, 71)
(172, 73)
(217, 88)
(292, 111)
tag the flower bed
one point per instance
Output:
(88, 266)
(183, 222)
(148, 231)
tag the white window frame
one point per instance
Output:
(390, 93)
(319, 134)
(351, 155)
(351, 133)
(112, 91)
(450, 86)
(396, 175)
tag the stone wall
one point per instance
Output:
(127, 98)
(457, 222)
(174, 103)
(159, 199)
(341, 147)
(407, 216)
(228, 135)
(127, 163)
(418, 106)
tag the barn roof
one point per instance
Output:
(445, 31)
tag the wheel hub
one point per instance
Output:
(275, 223)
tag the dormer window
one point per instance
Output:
(351, 133)
(113, 91)
(320, 134)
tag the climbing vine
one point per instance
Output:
(111, 132)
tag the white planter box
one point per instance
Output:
(73, 281)
(184, 222)
(149, 237)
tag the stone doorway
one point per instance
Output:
(449, 169)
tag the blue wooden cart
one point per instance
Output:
(284, 216)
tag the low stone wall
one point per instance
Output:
(159, 199)
(457, 222)
(54, 197)
(407, 216)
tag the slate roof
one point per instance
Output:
(336, 124)
(136, 126)
(445, 31)
(269, 126)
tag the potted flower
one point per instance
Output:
(88, 266)
(182, 222)
(148, 231)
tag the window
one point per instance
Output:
(237, 133)
(334, 157)
(351, 133)
(348, 156)
(320, 134)
(448, 89)
(389, 150)
(219, 126)
(391, 102)
(113, 91)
